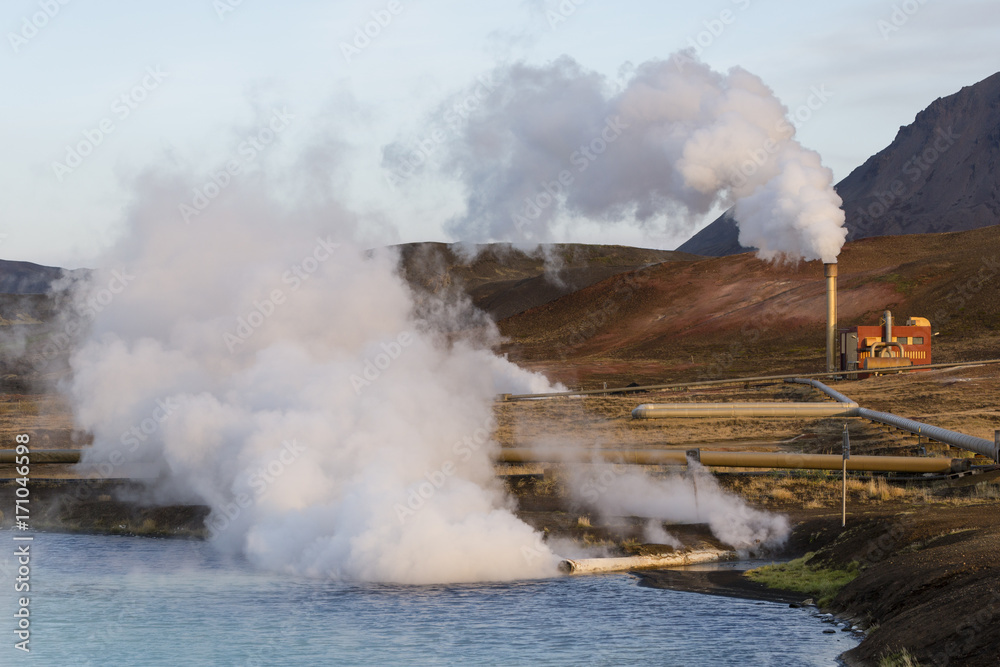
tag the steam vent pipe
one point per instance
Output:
(830, 270)
(602, 565)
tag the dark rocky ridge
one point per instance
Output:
(940, 174)
(26, 277)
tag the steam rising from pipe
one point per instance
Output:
(338, 424)
(615, 491)
(663, 147)
(262, 364)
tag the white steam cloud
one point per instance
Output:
(258, 362)
(614, 491)
(668, 144)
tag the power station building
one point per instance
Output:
(885, 346)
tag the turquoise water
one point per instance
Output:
(99, 600)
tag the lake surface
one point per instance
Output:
(101, 600)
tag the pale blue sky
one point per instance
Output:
(224, 74)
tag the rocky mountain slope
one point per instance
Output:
(26, 277)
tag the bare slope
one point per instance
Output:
(726, 316)
(504, 281)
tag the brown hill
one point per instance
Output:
(727, 316)
(939, 174)
(505, 281)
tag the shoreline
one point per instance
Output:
(724, 582)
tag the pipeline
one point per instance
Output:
(717, 459)
(829, 391)
(43, 456)
(742, 380)
(987, 448)
(973, 444)
(601, 565)
(745, 410)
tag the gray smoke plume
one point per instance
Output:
(662, 148)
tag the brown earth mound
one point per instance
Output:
(737, 315)
(505, 281)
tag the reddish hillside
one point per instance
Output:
(723, 316)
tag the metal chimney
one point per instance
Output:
(830, 270)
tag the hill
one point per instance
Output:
(939, 174)
(504, 281)
(727, 316)
(26, 277)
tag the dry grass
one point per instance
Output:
(879, 489)
(817, 490)
(780, 494)
(901, 658)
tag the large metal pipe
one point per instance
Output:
(784, 460)
(743, 410)
(955, 439)
(716, 383)
(43, 456)
(887, 333)
(830, 271)
(829, 391)
(910, 464)
(601, 565)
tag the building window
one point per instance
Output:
(918, 340)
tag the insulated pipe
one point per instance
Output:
(42, 456)
(910, 464)
(953, 438)
(829, 391)
(887, 335)
(735, 410)
(600, 565)
(830, 270)
(716, 383)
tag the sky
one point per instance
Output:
(187, 82)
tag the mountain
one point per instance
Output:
(939, 174)
(26, 278)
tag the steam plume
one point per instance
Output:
(261, 363)
(614, 491)
(664, 147)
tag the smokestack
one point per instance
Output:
(830, 270)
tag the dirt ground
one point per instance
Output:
(927, 550)
(965, 399)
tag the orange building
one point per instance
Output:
(886, 346)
